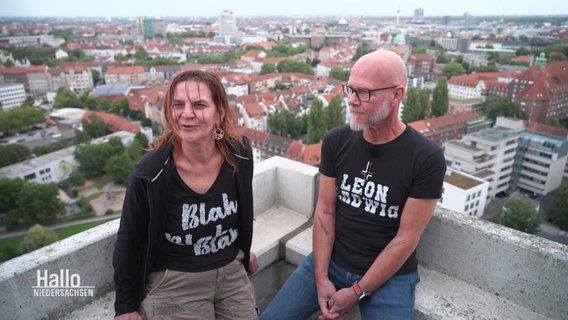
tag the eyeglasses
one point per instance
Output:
(363, 95)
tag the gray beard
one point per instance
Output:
(376, 118)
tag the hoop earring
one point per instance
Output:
(218, 133)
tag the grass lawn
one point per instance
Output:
(12, 244)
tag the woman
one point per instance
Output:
(183, 246)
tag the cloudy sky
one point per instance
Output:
(162, 8)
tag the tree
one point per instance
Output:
(424, 102)
(440, 98)
(495, 107)
(96, 76)
(19, 118)
(120, 107)
(119, 167)
(141, 54)
(335, 113)
(37, 237)
(559, 212)
(9, 63)
(412, 110)
(92, 158)
(66, 98)
(285, 123)
(38, 201)
(522, 51)
(360, 51)
(339, 74)
(317, 122)
(292, 65)
(452, 69)
(9, 191)
(519, 214)
(442, 58)
(13, 153)
(94, 127)
(267, 68)
(76, 178)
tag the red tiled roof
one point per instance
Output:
(123, 70)
(113, 122)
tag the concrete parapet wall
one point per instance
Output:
(284, 182)
(470, 268)
(524, 269)
(88, 255)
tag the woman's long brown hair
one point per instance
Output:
(221, 100)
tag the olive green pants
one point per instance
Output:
(223, 293)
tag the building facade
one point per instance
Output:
(488, 154)
(464, 193)
(11, 95)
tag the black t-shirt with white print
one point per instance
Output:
(201, 229)
(373, 183)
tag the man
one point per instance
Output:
(379, 184)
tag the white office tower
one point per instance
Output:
(228, 32)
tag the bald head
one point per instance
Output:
(381, 68)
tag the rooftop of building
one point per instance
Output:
(470, 268)
(495, 134)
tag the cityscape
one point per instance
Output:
(502, 120)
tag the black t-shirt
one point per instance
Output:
(201, 229)
(373, 183)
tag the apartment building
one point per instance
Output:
(464, 193)
(450, 126)
(542, 93)
(134, 75)
(11, 95)
(541, 156)
(41, 79)
(488, 154)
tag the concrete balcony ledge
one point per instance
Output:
(470, 268)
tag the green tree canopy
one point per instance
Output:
(559, 212)
(440, 98)
(424, 96)
(66, 98)
(286, 123)
(317, 122)
(285, 50)
(442, 58)
(37, 237)
(361, 50)
(452, 69)
(92, 158)
(519, 214)
(16, 119)
(119, 167)
(292, 65)
(9, 192)
(13, 153)
(412, 109)
(339, 74)
(495, 107)
(335, 113)
(38, 201)
(267, 68)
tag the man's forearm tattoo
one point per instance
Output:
(329, 213)
(322, 225)
(394, 244)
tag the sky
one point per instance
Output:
(189, 8)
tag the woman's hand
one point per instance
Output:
(253, 264)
